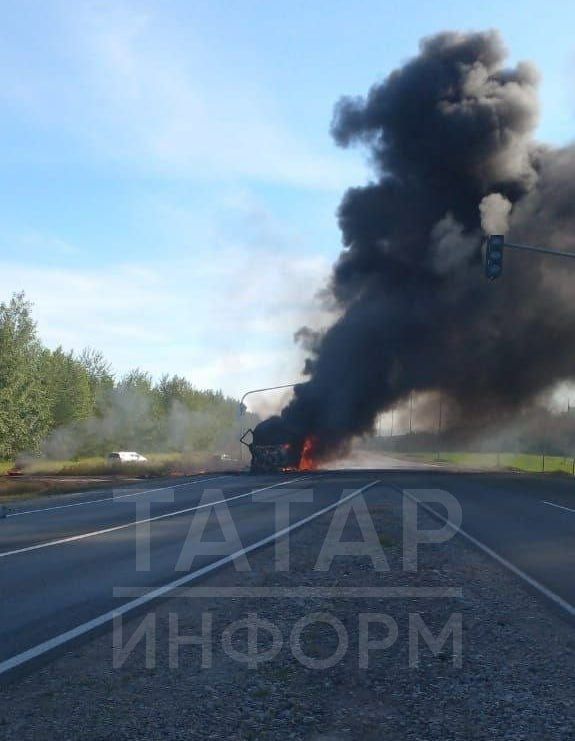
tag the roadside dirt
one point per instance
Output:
(515, 680)
(13, 489)
(19, 488)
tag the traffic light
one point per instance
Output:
(494, 256)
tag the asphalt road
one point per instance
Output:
(527, 521)
(62, 558)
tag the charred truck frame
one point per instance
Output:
(271, 453)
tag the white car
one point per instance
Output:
(125, 456)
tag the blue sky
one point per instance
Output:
(169, 184)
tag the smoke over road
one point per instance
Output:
(450, 138)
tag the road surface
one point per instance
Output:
(62, 558)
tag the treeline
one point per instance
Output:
(68, 405)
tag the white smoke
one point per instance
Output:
(495, 210)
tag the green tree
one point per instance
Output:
(69, 405)
(68, 388)
(100, 377)
(194, 419)
(24, 407)
(137, 411)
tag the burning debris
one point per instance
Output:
(450, 136)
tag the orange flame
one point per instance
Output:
(307, 462)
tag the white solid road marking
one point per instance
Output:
(103, 531)
(559, 506)
(559, 601)
(59, 640)
(110, 499)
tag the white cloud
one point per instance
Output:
(220, 295)
(222, 325)
(31, 242)
(127, 81)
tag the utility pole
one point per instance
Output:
(410, 412)
(544, 446)
(439, 425)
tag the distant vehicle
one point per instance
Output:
(125, 456)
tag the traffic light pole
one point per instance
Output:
(542, 250)
(493, 268)
(242, 407)
(494, 246)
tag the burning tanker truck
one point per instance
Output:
(277, 447)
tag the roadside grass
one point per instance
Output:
(14, 489)
(527, 462)
(61, 476)
(158, 464)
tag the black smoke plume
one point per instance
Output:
(450, 138)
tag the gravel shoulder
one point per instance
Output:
(515, 681)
